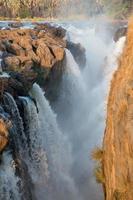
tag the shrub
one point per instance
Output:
(97, 154)
(98, 173)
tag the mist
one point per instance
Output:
(72, 126)
(79, 9)
(81, 105)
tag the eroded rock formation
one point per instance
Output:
(118, 139)
(28, 56)
(36, 55)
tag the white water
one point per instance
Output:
(37, 163)
(111, 63)
(8, 180)
(18, 129)
(57, 149)
(81, 104)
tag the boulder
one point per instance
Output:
(56, 31)
(15, 24)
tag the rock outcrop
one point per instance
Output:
(118, 139)
(29, 48)
(31, 55)
(28, 56)
(36, 55)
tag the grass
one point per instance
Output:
(98, 173)
(97, 154)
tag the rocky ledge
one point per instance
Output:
(35, 53)
(28, 56)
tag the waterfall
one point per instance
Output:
(81, 104)
(50, 145)
(57, 148)
(18, 137)
(9, 182)
(38, 165)
(18, 147)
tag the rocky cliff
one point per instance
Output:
(28, 56)
(118, 139)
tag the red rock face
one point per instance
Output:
(118, 139)
(36, 47)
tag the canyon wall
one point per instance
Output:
(118, 139)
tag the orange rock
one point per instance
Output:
(46, 57)
(12, 62)
(58, 52)
(118, 138)
(3, 135)
(16, 49)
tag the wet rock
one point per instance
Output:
(78, 52)
(17, 84)
(15, 24)
(120, 33)
(2, 46)
(56, 31)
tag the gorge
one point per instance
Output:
(54, 85)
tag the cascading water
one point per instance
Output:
(57, 149)
(48, 157)
(37, 155)
(18, 148)
(9, 189)
(81, 104)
